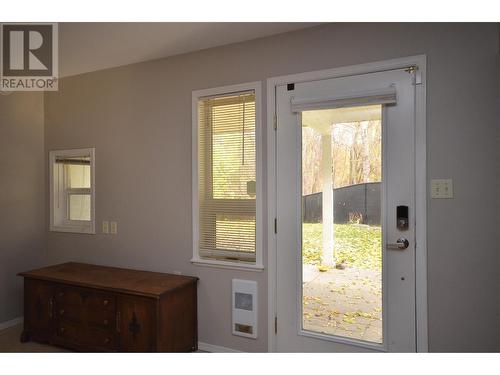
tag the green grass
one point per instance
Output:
(358, 245)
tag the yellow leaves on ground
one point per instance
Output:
(358, 245)
(317, 307)
(323, 268)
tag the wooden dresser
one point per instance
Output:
(94, 308)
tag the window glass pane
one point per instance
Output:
(233, 150)
(79, 207)
(341, 222)
(235, 233)
(78, 175)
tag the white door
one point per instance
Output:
(345, 195)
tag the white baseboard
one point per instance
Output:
(11, 323)
(215, 348)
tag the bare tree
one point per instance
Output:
(356, 155)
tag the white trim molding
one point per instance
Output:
(11, 323)
(227, 265)
(258, 265)
(215, 348)
(419, 62)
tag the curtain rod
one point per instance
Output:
(73, 161)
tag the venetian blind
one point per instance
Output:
(227, 176)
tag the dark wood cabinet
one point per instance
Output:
(136, 324)
(94, 308)
(38, 310)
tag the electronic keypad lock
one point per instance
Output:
(402, 217)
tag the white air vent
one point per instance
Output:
(245, 308)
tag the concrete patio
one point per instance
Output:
(345, 303)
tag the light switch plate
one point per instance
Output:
(114, 227)
(441, 188)
(105, 227)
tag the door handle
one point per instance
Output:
(401, 244)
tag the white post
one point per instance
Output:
(327, 256)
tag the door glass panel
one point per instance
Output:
(341, 222)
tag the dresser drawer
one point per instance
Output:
(85, 306)
(85, 336)
(84, 315)
(73, 296)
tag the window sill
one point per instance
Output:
(227, 265)
(68, 229)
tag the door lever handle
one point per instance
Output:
(401, 244)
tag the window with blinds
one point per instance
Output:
(72, 190)
(227, 177)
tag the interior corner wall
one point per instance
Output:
(138, 117)
(22, 195)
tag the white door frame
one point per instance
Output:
(420, 181)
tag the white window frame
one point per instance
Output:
(72, 226)
(259, 227)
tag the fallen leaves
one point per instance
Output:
(357, 245)
(323, 268)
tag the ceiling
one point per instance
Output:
(86, 47)
(322, 120)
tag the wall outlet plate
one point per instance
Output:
(114, 227)
(105, 227)
(441, 188)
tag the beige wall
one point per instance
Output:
(138, 118)
(22, 196)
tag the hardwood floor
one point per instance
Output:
(10, 343)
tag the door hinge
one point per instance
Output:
(275, 122)
(275, 225)
(275, 325)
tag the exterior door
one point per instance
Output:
(345, 214)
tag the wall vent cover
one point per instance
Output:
(244, 306)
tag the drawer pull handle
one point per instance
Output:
(106, 322)
(118, 321)
(61, 312)
(51, 307)
(107, 340)
(105, 302)
(61, 294)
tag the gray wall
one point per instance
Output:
(139, 119)
(22, 195)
